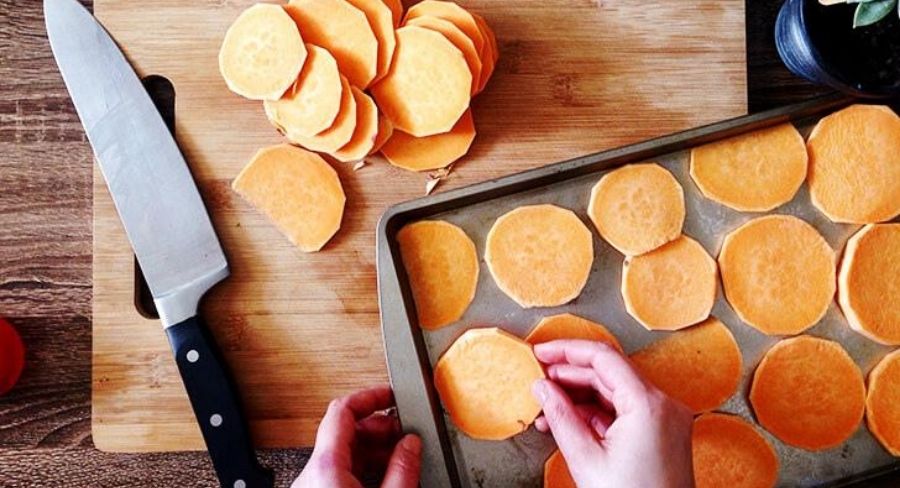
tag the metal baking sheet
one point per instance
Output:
(452, 458)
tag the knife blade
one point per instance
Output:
(165, 220)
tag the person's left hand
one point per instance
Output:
(357, 437)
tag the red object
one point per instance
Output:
(12, 356)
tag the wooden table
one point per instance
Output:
(45, 265)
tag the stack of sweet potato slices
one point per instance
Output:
(345, 77)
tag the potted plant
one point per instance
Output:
(852, 46)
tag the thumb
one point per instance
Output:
(403, 467)
(574, 437)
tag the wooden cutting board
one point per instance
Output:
(575, 77)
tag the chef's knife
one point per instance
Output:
(165, 220)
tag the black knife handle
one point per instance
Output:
(217, 406)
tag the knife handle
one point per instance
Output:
(217, 406)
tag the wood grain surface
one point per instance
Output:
(45, 266)
(299, 329)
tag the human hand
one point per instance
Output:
(614, 429)
(355, 438)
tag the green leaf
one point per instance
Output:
(870, 12)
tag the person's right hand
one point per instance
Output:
(614, 429)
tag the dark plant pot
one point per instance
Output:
(819, 43)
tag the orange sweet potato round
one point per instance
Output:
(540, 255)
(671, 287)
(458, 38)
(484, 381)
(854, 174)
(451, 12)
(568, 326)
(778, 273)
(753, 172)
(442, 266)
(868, 284)
(637, 208)
(882, 414)
(314, 101)
(428, 86)
(341, 130)
(298, 191)
(809, 393)
(556, 472)
(699, 366)
(364, 134)
(262, 53)
(342, 29)
(431, 152)
(728, 452)
(382, 22)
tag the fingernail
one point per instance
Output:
(412, 443)
(539, 389)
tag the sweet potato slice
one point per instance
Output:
(540, 255)
(808, 392)
(297, 190)
(484, 381)
(363, 138)
(854, 165)
(381, 19)
(385, 131)
(753, 172)
(344, 31)
(340, 132)
(778, 273)
(729, 452)
(396, 7)
(882, 414)
(699, 366)
(428, 86)
(637, 208)
(458, 38)
(262, 53)
(313, 103)
(671, 287)
(452, 12)
(568, 326)
(869, 283)
(432, 152)
(489, 55)
(556, 472)
(442, 267)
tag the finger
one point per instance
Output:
(384, 429)
(572, 434)
(611, 367)
(366, 402)
(403, 467)
(578, 377)
(595, 416)
(598, 418)
(335, 437)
